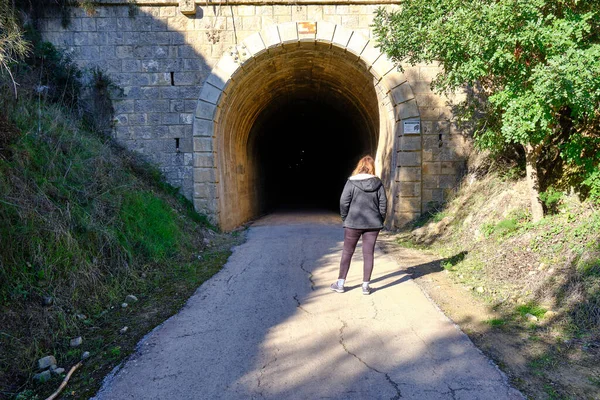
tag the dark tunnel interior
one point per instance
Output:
(305, 150)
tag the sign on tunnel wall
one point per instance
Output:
(185, 107)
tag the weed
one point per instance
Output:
(551, 392)
(451, 262)
(551, 199)
(543, 362)
(27, 395)
(594, 380)
(488, 229)
(409, 244)
(435, 214)
(495, 322)
(531, 308)
(506, 227)
(115, 352)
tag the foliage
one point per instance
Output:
(13, 45)
(535, 81)
(49, 73)
(531, 308)
(80, 224)
(150, 226)
(551, 198)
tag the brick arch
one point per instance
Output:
(394, 93)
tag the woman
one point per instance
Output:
(363, 206)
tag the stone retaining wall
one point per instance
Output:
(162, 53)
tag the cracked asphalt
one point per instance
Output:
(268, 327)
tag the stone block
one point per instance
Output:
(189, 106)
(282, 10)
(426, 198)
(203, 127)
(357, 44)
(409, 159)
(314, 12)
(370, 54)
(341, 36)
(176, 106)
(410, 143)
(205, 110)
(401, 219)
(449, 168)
(180, 131)
(266, 10)
(406, 110)
(432, 168)
(447, 181)
(244, 10)
(381, 67)
(106, 24)
(325, 31)
(88, 24)
(437, 195)
(401, 93)
(210, 93)
(188, 78)
(151, 106)
(255, 45)
(203, 144)
(393, 79)
(409, 189)
(187, 119)
(205, 190)
(408, 174)
(218, 78)
(168, 11)
(123, 106)
(169, 118)
(288, 32)
(408, 204)
(207, 206)
(227, 66)
(430, 181)
(204, 175)
(351, 21)
(204, 160)
(427, 155)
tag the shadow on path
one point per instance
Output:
(267, 326)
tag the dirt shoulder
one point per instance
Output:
(540, 365)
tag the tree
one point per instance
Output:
(12, 44)
(532, 65)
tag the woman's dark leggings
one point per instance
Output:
(351, 236)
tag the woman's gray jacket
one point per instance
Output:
(363, 203)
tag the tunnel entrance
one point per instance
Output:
(304, 150)
(283, 118)
(292, 124)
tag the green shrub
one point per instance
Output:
(551, 199)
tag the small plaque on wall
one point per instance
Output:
(412, 126)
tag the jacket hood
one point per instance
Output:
(366, 182)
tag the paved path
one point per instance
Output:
(267, 326)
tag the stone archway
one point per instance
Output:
(293, 70)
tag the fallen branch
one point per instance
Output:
(65, 381)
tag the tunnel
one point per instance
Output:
(291, 126)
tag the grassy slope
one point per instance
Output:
(87, 224)
(549, 269)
